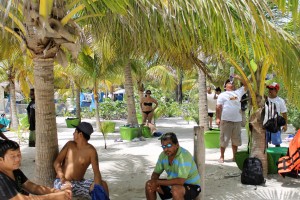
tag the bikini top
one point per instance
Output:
(147, 104)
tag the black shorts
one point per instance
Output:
(210, 114)
(191, 192)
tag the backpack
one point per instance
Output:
(289, 165)
(252, 173)
(272, 120)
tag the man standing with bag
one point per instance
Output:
(275, 138)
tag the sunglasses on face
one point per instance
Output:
(272, 89)
(167, 146)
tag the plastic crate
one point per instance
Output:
(212, 138)
(72, 122)
(128, 133)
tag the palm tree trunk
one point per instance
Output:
(46, 131)
(141, 89)
(13, 106)
(78, 109)
(258, 139)
(203, 122)
(203, 117)
(129, 92)
(97, 106)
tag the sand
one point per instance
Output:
(127, 165)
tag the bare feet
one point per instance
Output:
(221, 160)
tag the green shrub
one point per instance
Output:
(294, 117)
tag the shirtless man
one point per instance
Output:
(73, 161)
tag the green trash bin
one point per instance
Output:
(128, 133)
(139, 118)
(212, 138)
(146, 132)
(72, 122)
(275, 153)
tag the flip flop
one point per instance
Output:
(221, 160)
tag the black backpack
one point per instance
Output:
(252, 173)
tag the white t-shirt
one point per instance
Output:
(280, 104)
(211, 103)
(231, 105)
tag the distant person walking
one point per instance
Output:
(31, 118)
(212, 103)
(229, 116)
(147, 107)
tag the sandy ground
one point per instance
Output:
(127, 165)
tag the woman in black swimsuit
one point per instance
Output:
(147, 109)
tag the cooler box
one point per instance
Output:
(146, 132)
(128, 133)
(212, 138)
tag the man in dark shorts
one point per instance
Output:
(15, 185)
(183, 181)
(31, 118)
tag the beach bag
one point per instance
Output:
(252, 173)
(272, 120)
(289, 165)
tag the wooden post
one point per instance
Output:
(199, 156)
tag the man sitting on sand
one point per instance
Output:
(183, 181)
(15, 185)
(73, 161)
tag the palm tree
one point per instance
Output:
(17, 71)
(142, 28)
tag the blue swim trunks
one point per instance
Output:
(79, 188)
(274, 138)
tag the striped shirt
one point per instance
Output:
(183, 166)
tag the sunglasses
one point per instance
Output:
(167, 146)
(272, 88)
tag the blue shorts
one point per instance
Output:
(274, 138)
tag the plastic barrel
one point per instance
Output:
(146, 132)
(212, 139)
(128, 133)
